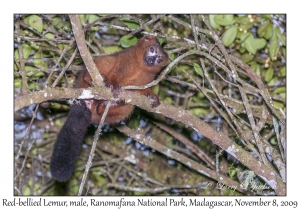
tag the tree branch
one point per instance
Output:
(178, 114)
(84, 52)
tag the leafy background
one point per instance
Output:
(45, 56)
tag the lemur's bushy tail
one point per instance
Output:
(69, 142)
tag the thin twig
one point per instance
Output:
(143, 26)
(62, 54)
(140, 137)
(188, 144)
(92, 153)
(65, 68)
(25, 87)
(26, 137)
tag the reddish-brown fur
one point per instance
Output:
(136, 65)
(127, 67)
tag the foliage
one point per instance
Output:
(221, 86)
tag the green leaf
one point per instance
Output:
(26, 191)
(257, 70)
(161, 40)
(198, 69)
(273, 141)
(269, 74)
(229, 36)
(57, 22)
(27, 50)
(242, 50)
(62, 46)
(267, 16)
(246, 26)
(244, 22)
(246, 57)
(279, 90)
(38, 75)
(199, 111)
(155, 89)
(232, 173)
(274, 48)
(26, 20)
(17, 55)
(283, 95)
(283, 71)
(50, 35)
(239, 34)
(213, 22)
(36, 22)
(39, 62)
(244, 36)
(17, 83)
(255, 67)
(82, 18)
(260, 43)
(168, 100)
(262, 29)
(92, 18)
(280, 36)
(249, 44)
(170, 144)
(283, 50)
(243, 19)
(200, 95)
(224, 20)
(172, 56)
(34, 46)
(128, 41)
(34, 151)
(278, 104)
(58, 122)
(269, 32)
(130, 23)
(29, 70)
(100, 179)
(111, 49)
(16, 69)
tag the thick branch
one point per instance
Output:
(178, 114)
(84, 52)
